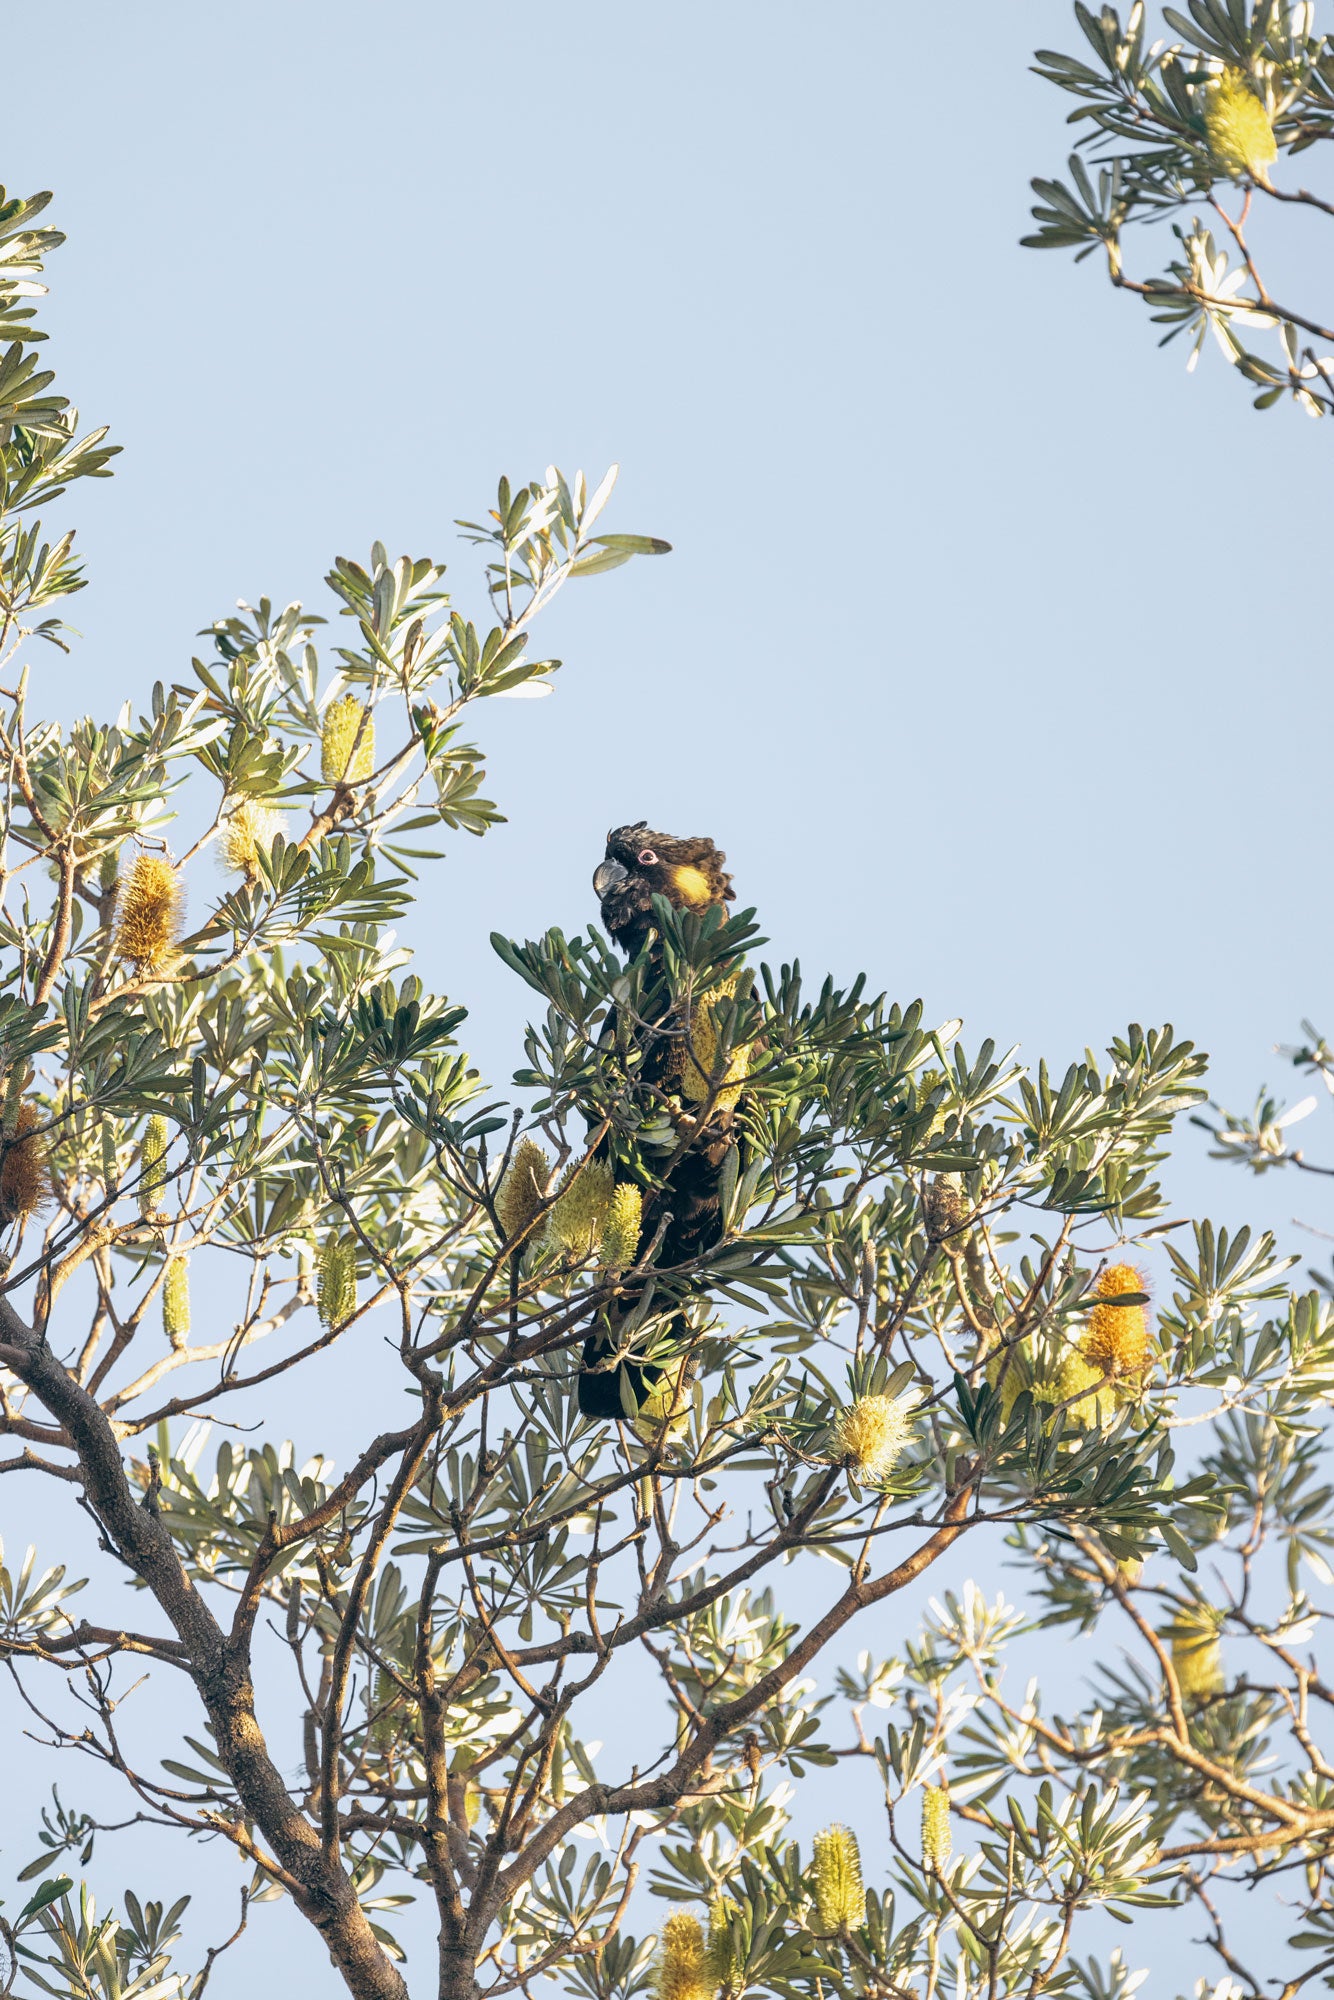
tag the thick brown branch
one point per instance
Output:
(322, 1888)
(87, 1639)
(60, 931)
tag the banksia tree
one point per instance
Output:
(152, 1167)
(840, 1894)
(359, 1655)
(1233, 94)
(937, 1837)
(682, 1970)
(336, 1280)
(176, 1299)
(347, 746)
(521, 1193)
(870, 1435)
(148, 915)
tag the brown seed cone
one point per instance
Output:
(25, 1173)
(943, 1208)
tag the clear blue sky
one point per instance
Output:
(992, 647)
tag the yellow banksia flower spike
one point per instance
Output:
(1117, 1339)
(176, 1300)
(620, 1232)
(700, 1057)
(840, 1895)
(667, 1402)
(937, 1836)
(152, 1167)
(724, 1962)
(682, 1971)
(520, 1193)
(1197, 1655)
(1238, 127)
(25, 1171)
(251, 827)
(383, 1695)
(347, 758)
(1082, 1383)
(461, 1787)
(871, 1434)
(336, 1280)
(579, 1214)
(106, 1136)
(1010, 1372)
(148, 915)
(388, 1705)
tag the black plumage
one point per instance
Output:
(639, 864)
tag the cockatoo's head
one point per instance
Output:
(640, 864)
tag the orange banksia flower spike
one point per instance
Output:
(1117, 1340)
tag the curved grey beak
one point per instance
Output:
(608, 875)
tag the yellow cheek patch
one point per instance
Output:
(692, 884)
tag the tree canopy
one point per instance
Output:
(248, 1144)
(1185, 130)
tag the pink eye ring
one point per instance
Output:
(646, 857)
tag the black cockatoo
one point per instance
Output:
(640, 864)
